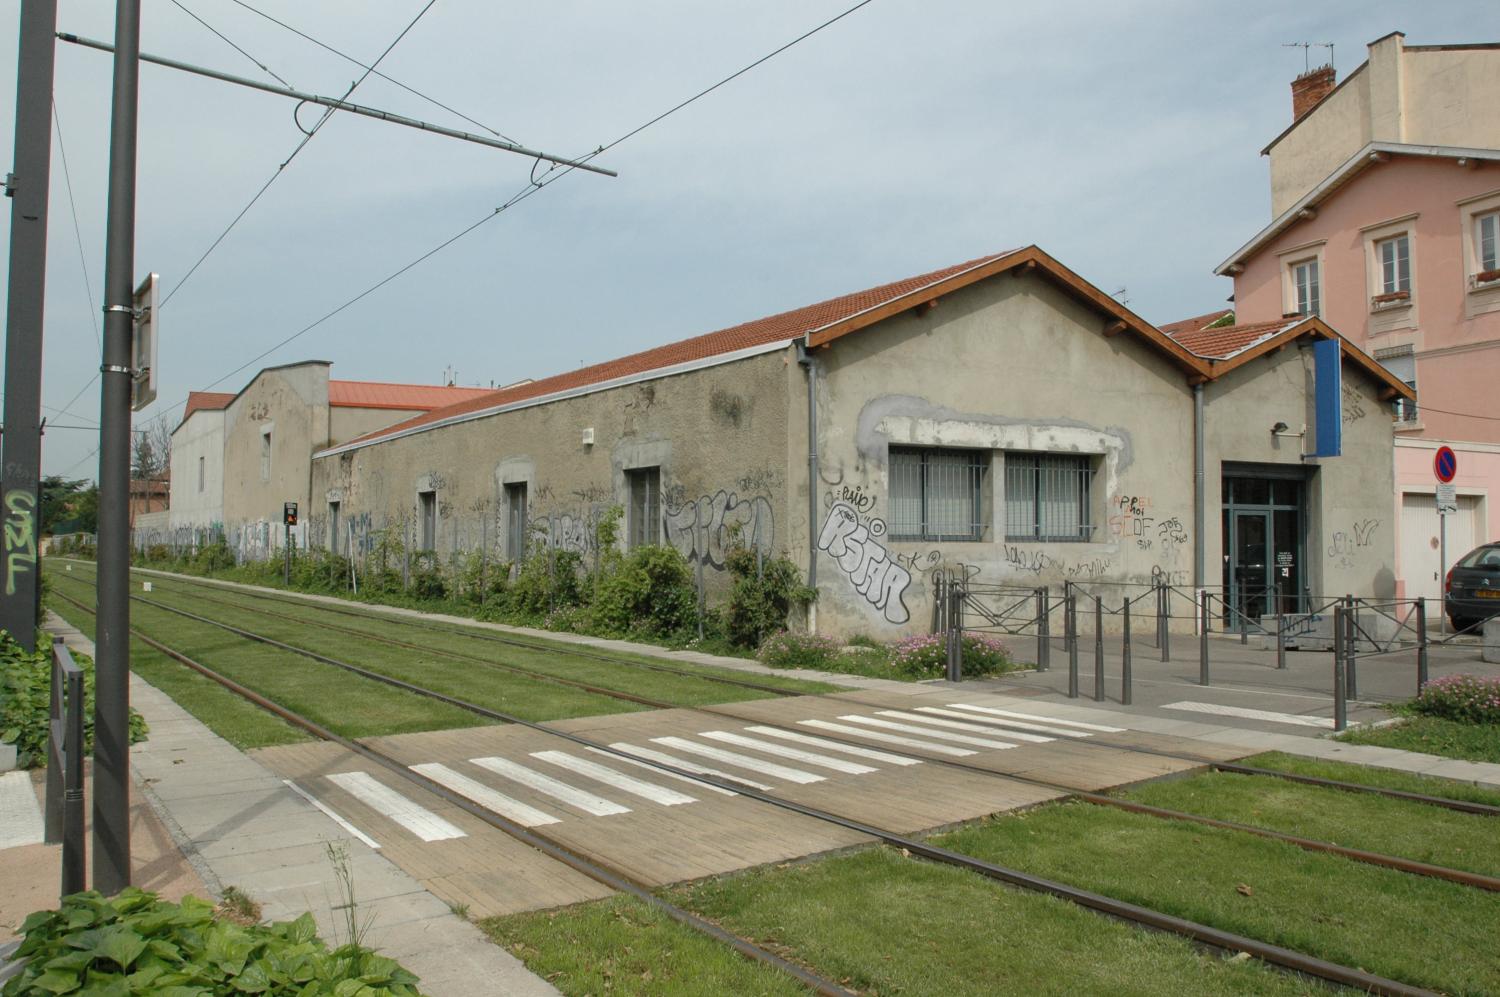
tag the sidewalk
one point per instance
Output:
(238, 824)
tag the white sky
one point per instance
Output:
(1122, 138)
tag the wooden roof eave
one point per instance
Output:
(1391, 387)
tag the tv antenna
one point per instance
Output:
(1307, 48)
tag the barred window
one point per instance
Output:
(937, 494)
(1047, 497)
(645, 505)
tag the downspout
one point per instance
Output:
(1200, 553)
(806, 360)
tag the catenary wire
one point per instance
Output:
(224, 38)
(302, 144)
(82, 262)
(411, 90)
(553, 174)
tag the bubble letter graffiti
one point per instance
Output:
(869, 566)
(20, 536)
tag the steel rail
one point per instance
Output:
(614, 879)
(1275, 955)
(1461, 806)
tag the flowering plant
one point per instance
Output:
(926, 655)
(786, 649)
(1465, 698)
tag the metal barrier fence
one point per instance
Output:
(63, 818)
(1360, 628)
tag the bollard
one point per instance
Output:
(1070, 621)
(1125, 660)
(52, 822)
(1203, 638)
(1164, 615)
(73, 854)
(1351, 675)
(1340, 706)
(955, 633)
(1421, 644)
(1156, 590)
(1280, 633)
(1043, 637)
(1098, 649)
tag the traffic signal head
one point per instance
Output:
(289, 514)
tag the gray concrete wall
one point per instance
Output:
(718, 435)
(1350, 539)
(1011, 364)
(291, 403)
(347, 422)
(200, 437)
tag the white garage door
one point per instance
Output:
(1419, 541)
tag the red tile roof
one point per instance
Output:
(210, 400)
(1174, 329)
(416, 397)
(761, 332)
(1227, 340)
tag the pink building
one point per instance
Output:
(1397, 246)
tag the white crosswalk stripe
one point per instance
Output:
(874, 735)
(1004, 722)
(600, 773)
(965, 724)
(589, 803)
(982, 742)
(827, 745)
(656, 769)
(796, 754)
(328, 812)
(392, 805)
(490, 799)
(1249, 714)
(21, 820)
(687, 766)
(1039, 719)
(741, 761)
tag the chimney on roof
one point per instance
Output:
(1310, 88)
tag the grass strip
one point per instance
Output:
(237, 721)
(1425, 932)
(1370, 775)
(1374, 823)
(879, 923)
(1433, 736)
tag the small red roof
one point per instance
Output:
(416, 397)
(1174, 329)
(779, 328)
(210, 400)
(1227, 340)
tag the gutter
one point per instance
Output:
(1200, 554)
(808, 363)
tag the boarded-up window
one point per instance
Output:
(645, 505)
(515, 520)
(427, 516)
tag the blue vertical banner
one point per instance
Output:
(1328, 385)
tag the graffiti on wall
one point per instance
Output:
(853, 541)
(708, 528)
(1354, 404)
(20, 536)
(1345, 544)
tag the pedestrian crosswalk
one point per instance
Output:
(554, 786)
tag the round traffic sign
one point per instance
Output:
(1445, 464)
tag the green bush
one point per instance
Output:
(650, 593)
(1464, 698)
(760, 602)
(213, 557)
(786, 649)
(926, 656)
(427, 580)
(25, 701)
(135, 943)
(548, 580)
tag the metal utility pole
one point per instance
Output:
(111, 823)
(22, 446)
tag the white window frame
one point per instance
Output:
(265, 451)
(1482, 295)
(1392, 306)
(1291, 260)
(1394, 258)
(1487, 257)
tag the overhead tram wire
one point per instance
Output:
(88, 286)
(263, 67)
(389, 79)
(553, 174)
(306, 138)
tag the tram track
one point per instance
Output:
(1279, 956)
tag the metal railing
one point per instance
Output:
(63, 819)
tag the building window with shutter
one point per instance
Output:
(1049, 497)
(515, 520)
(937, 494)
(1402, 362)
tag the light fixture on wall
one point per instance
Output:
(1282, 429)
(588, 436)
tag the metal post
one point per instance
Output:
(286, 558)
(1351, 669)
(1421, 644)
(111, 824)
(1125, 658)
(1340, 706)
(73, 855)
(1070, 638)
(1166, 623)
(52, 829)
(955, 632)
(699, 584)
(1098, 649)
(1043, 635)
(1203, 638)
(28, 189)
(1280, 633)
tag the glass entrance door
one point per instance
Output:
(1250, 568)
(1263, 545)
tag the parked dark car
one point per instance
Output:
(1473, 587)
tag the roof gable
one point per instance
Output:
(1274, 339)
(385, 395)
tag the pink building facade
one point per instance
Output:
(1397, 250)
